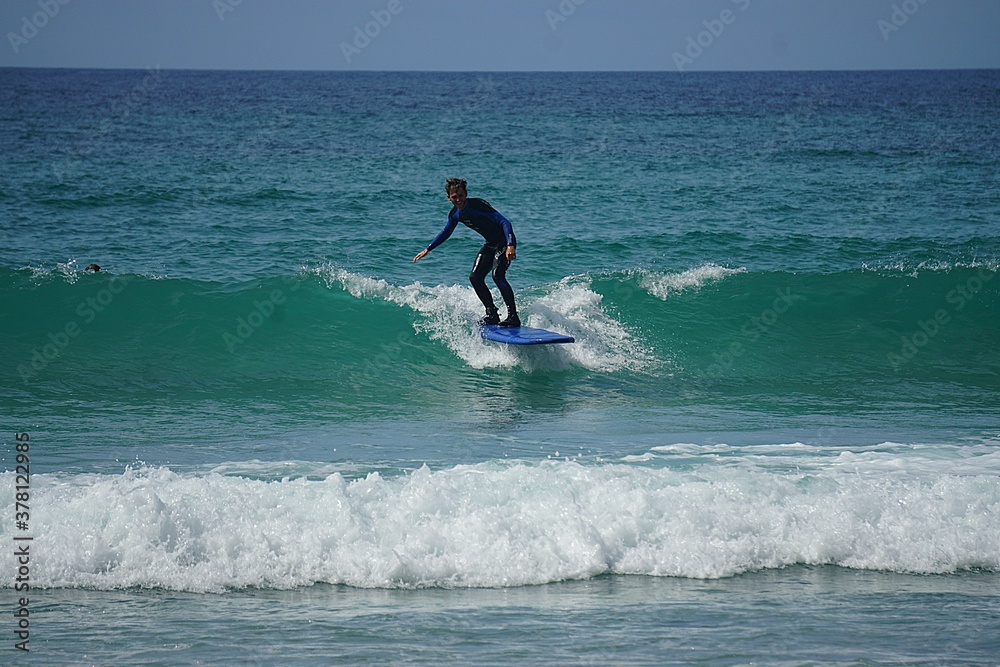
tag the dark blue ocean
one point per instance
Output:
(260, 434)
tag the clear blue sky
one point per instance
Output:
(498, 35)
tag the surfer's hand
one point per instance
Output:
(511, 253)
(421, 254)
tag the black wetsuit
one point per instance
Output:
(478, 215)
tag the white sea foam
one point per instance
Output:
(496, 525)
(662, 285)
(914, 269)
(602, 343)
(447, 313)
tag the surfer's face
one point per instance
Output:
(457, 197)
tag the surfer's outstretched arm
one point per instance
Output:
(440, 238)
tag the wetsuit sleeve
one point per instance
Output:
(443, 234)
(508, 229)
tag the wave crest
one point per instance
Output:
(496, 525)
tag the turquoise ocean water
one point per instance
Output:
(262, 435)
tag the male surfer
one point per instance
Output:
(496, 254)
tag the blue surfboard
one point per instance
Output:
(523, 335)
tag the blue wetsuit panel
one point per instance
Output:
(479, 216)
